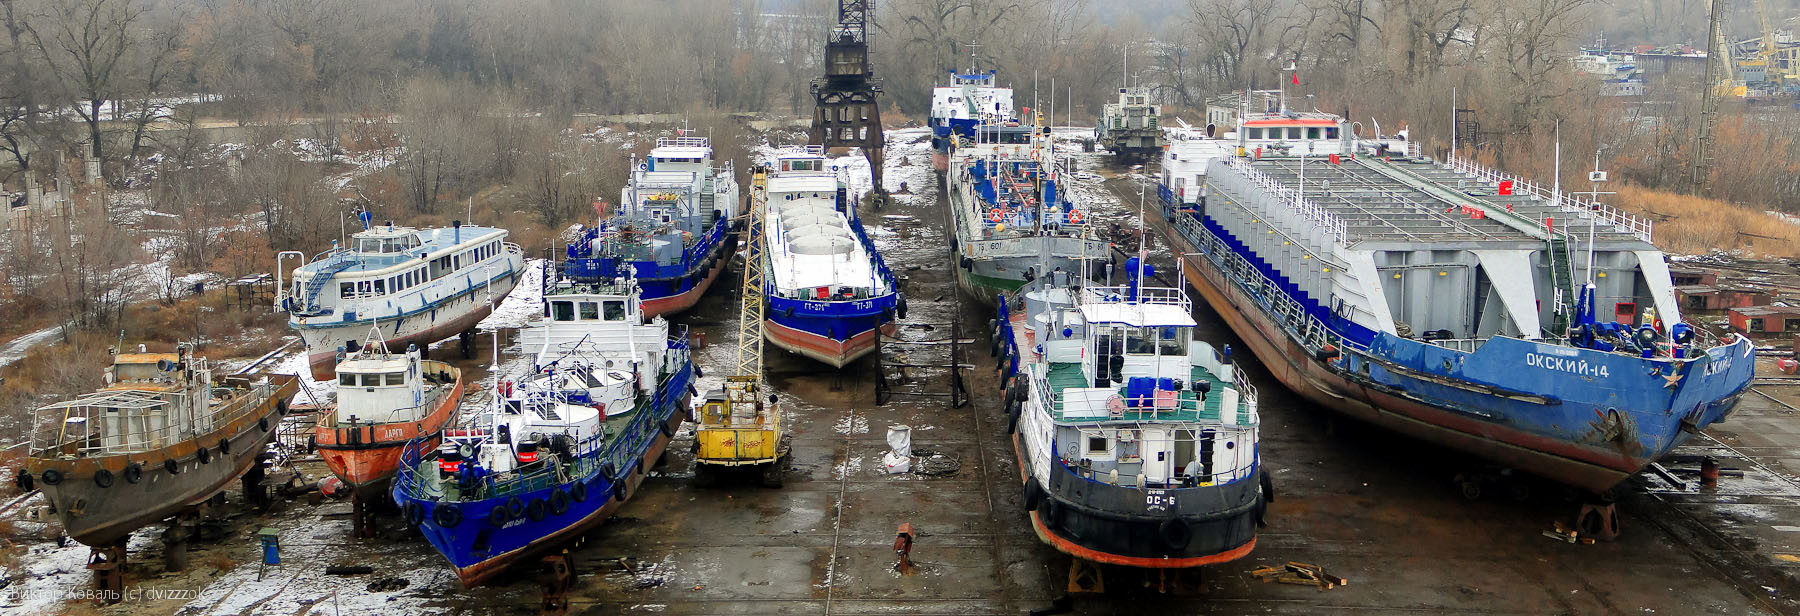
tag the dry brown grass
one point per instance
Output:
(220, 561)
(1698, 225)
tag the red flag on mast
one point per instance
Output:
(1295, 69)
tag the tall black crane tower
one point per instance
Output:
(845, 112)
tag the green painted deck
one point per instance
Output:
(1068, 375)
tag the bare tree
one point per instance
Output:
(85, 45)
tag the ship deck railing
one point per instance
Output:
(1157, 296)
(1185, 405)
(1177, 480)
(682, 142)
(617, 446)
(1321, 217)
(123, 421)
(1640, 227)
(1294, 318)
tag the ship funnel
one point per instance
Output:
(456, 235)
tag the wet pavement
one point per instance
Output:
(1366, 505)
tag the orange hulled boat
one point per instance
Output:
(384, 400)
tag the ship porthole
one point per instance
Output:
(1230, 445)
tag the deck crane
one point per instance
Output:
(738, 427)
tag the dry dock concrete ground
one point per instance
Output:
(1366, 505)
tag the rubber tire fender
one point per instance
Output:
(1175, 533)
(1034, 493)
(666, 429)
(281, 407)
(51, 476)
(497, 516)
(579, 491)
(515, 507)
(173, 467)
(1013, 411)
(225, 446)
(621, 489)
(559, 502)
(537, 510)
(23, 481)
(133, 473)
(103, 478)
(446, 515)
(262, 423)
(204, 454)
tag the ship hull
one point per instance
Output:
(423, 327)
(1111, 525)
(822, 347)
(673, 295)
(1512, 425)
(366, 457)
(102, 516)
(479, 551)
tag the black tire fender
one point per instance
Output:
(262, 423)
(24, 482)
(621, 490)
(1012, 417)
(281, 407)
(415, 514)
(1034, 493)
(134, 472)
(666, 428)
(537, 510)
(578, 491)
(103, 478)
(205, 455)
(1175, 533)
(497, 516)
(225, 446)
(446, 515)
(559, 502)
(515, 507)
(173, 467)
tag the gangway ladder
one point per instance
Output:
(1562, 277)
(953, 352)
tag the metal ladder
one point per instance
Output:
(317, 283)
(1562, 276)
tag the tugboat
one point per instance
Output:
(674, 234)
(384, 401)
(561, 447)
(970, 100)
(1137, 440)
(1443, 300)
(828, 289)
(415, 286)
(1011, 217)
(161, 436)
(1131, 127)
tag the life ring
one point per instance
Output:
(446, 515)
(52, 476)
(515, 507)
(1075, 217)
(1175, 533)
(497, 516)
(537, 510)
(1034, 493)
(995, 215)
(134, 472)
(559, 502)
(1037, 155)
(579, 491)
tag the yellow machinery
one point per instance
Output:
(738, 426)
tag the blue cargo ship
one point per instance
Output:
(1447, 301)
(829, 292)
(560, 448)
(673, 231)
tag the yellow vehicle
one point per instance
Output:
(737, 427)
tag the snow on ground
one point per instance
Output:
(15, 350)
(48, 577)
(524, 303)
(311, 392)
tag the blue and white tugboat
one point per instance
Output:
(673, 232)
(829, 293)
(1136, 440)
(414, 286)
(1444, 300)
(561, 447)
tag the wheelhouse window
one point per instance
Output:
(347, 379)
(346, 290)
(562, 311)
(615, 310)
(1172, 341)
(590, 311)
(1256, 133)
(395, 378)
(1312, 132)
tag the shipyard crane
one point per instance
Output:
(845, 112)
(1717, 58)
(737, 427)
